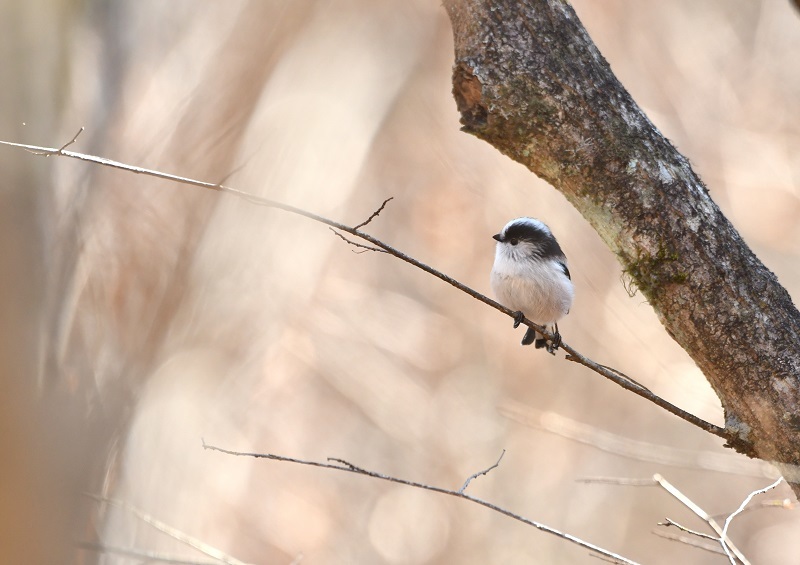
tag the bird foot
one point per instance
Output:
(518, 317)
(552, 346)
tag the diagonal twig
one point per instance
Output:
(702, 514)
(375, 214)
(345, 466)
(658, 480)
(364, 248)
(713, 548)
(48, 152)
(727, 547)
(480, 473)
(573, 355)
(670, 522)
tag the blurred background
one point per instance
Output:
(140, 316)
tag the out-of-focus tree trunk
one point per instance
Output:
(529, 80)
(40, 459)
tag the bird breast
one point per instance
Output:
(539, 289)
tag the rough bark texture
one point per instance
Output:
(529, 80)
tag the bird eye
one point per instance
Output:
(513, 241)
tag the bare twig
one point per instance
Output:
(175, 533)
(631, 385)
(658, 480)
(573, 355)
(364, 248)
(375, 214)
(702, 514)
(60, 151)
(670, 522)
(70, 142)
(713, 548)
(333, 459)
(480, 473)
(726, 546)
(342, 465)
(784, 503)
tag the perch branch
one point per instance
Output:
(573, 355)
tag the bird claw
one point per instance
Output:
(553, 346)
(540, 343)
(550, 345)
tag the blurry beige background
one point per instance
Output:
(140, 316)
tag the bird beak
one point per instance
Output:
(497, 237)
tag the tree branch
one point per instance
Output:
(573, 355)
(528, 80)
(658, 480)
(342, 465)
(727, 547)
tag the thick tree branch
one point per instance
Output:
(529, 80)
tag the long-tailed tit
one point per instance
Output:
(530, 276)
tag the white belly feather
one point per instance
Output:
(540, 290)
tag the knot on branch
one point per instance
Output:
(468, 92)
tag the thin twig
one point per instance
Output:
(350, 468)
(333, 459)
(723, 536)
(47, 152)
(480, 473)
(783, 503)
(631, 385)
(658, 480)
(573, 355)
(670, 522)
(713, 548)
(703, 515)
(70, 142)
(364, 248)
(375, 214)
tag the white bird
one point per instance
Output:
(530, 276)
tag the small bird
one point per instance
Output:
(530, 276)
